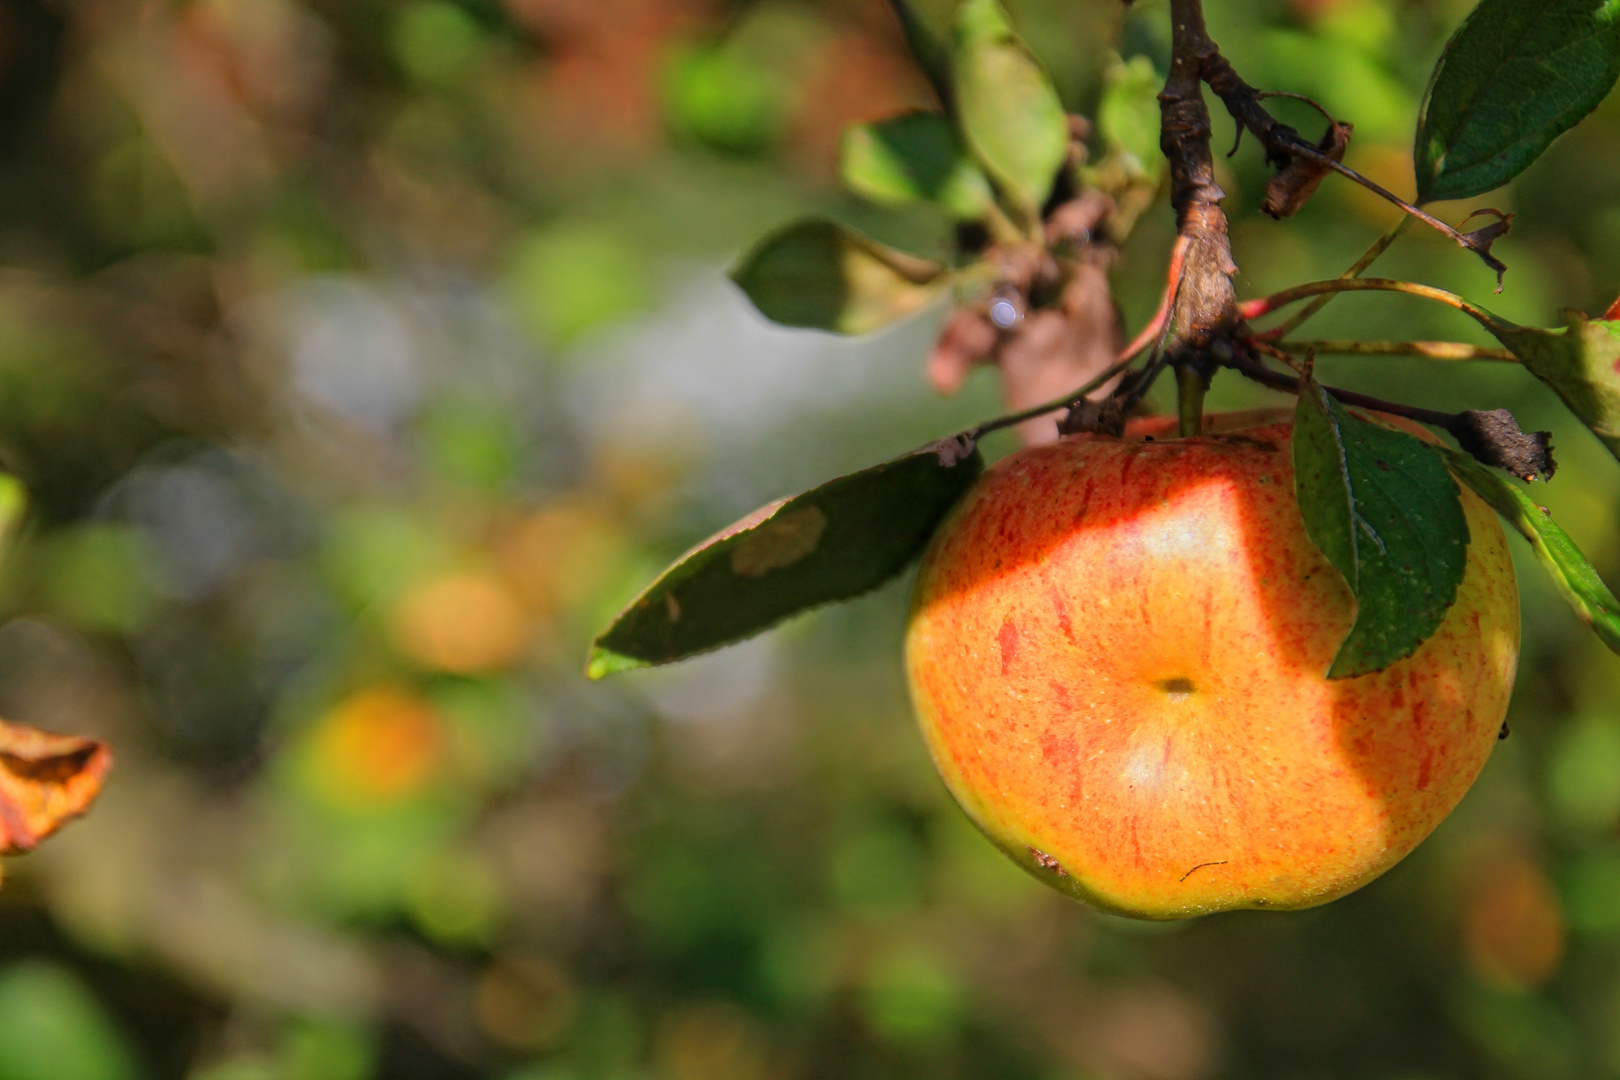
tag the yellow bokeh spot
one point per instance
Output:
(1513, 924)
(525, 1003)
(379, 746)
(1386, 165)
(464, 623)
(558, 557)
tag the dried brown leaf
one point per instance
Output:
(1291, 189)
(45, 780)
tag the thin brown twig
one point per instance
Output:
(1282, 143)
(1158, 327)
(1254, 369)
(1494, 438)
(1067, 401)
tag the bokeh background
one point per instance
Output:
(361, 356)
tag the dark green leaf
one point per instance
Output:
(1515, 76)
(821, 275)
(928, 50)
(1563, 561)
(1128, 115)
(1384, 510)
(914, 158)
(1579, 362)
(1010, 114)
(834, 542)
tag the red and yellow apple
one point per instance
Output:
(1118, 652)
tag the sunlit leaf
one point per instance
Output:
(1515, 76)
(1128, 114)
(820, 275)
(45, 780)
(1383, 509)
(1564, 562)
(1579, 362)
(13, 505)
(914, 158)
(725, 99)
(1010, 114)
(567, 281)
(52, 1027)
(436, 42)
(831, 543)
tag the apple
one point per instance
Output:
(1118, 653)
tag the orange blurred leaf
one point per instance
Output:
(45, 780)
(378, 747)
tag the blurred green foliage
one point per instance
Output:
(361, 358)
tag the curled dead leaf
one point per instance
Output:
(1479, 241)
(1495, 438)
(45, 780)
(1291, 189)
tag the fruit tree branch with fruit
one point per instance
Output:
(1082, 604)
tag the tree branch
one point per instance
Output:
(1206, 305)
(1282, 144)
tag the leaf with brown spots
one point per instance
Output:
(45, 780)
(831, 543)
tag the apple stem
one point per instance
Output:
(1191, 386)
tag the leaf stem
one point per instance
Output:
(1368, 257)
(1002, 227)
(1253, 309)
(1429, 350)
(1257, 371)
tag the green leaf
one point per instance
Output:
(820, 275)
(1384, 510)
(1128, 115)
(1515, 76)
(13, 507)
(831, 543)
(911, 159)
(1579, 362)
(1010, 114)
(1563, 561)
(928, 50)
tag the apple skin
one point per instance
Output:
(1118, 654)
